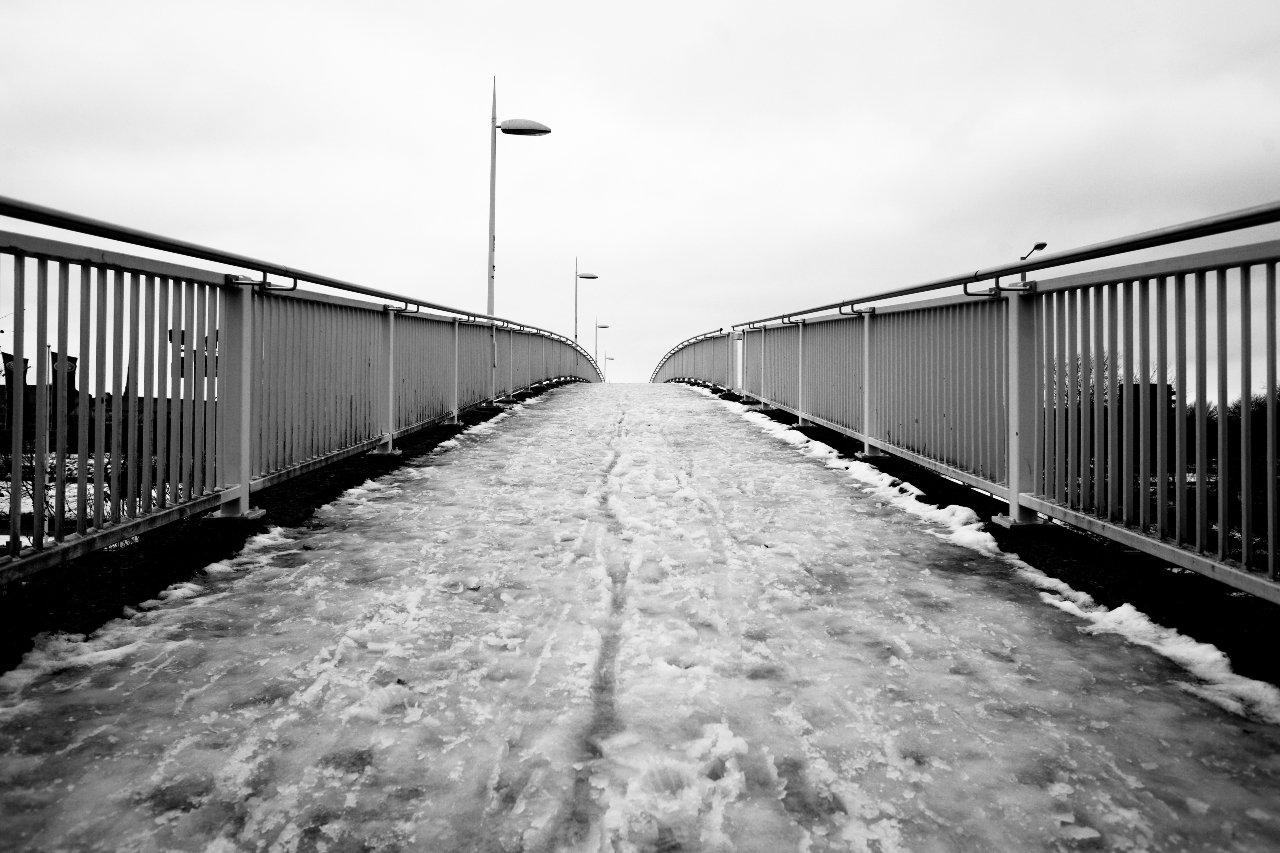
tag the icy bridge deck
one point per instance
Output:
(621, 618)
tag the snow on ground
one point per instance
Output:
(625, 620)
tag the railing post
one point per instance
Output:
(387, 445)
(453, 403)
(870, 426)
(800, 421)
(735, 372)
(761, 400)
(729, 380)
(236, 400)
(493, 361)
(1022, 402)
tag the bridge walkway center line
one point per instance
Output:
(621, 617)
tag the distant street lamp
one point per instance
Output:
(577, 275)
(596, 351)
(607, 359)
(515, 127)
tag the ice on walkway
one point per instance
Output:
(621, 619)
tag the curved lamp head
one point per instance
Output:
(1037, 247)
(587, 275)
(598, 326)
(523, 127)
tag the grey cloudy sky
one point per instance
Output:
(710, 161)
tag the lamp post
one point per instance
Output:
(596, 351)
(607, 359)
(515, 127)
(577, 275)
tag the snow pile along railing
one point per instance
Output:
(1137, 402)
(140, 391)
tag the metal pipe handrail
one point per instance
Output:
(41, 215)
(1248, 217)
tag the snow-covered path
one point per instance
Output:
(620, 618)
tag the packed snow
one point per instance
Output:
(627, 619)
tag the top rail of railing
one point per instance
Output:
(28, 212)
(1248, 217)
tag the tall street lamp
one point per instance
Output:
(596, 351)
(577, 275)
(515, 127)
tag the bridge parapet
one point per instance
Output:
(1138, 402)
(139, 391)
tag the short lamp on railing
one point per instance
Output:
(1036, 248)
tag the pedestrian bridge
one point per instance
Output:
(639, 616)
(624, 617)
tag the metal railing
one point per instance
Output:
(139, 391)
(1137, 402)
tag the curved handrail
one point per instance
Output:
(41, 215)
(1248, 217)
(682, 345)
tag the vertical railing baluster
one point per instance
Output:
(101, 335)
(175, 392)
(118, 343)
(209, 355)
(1044, 328)
(1202, 415)
(1180, 436)
(17, 404)
(148, 335)
(1272, 504)
(1128, 407)
(1030, 340)
(164, 403)
(84, 405)
(40, 454)
(1142, 378)
(1162, 410)
(1100, 402)
(1060, 396)
(189, 333)
(273, 398)
(61, 400)
(131, 392)
(1223, 467)
(1246, 418)
(1114, 402)
(1088, 384)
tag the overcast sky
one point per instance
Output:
(711, 161)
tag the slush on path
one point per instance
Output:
(619, 618)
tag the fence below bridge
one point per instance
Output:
(138, 392)
(1137, 402)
